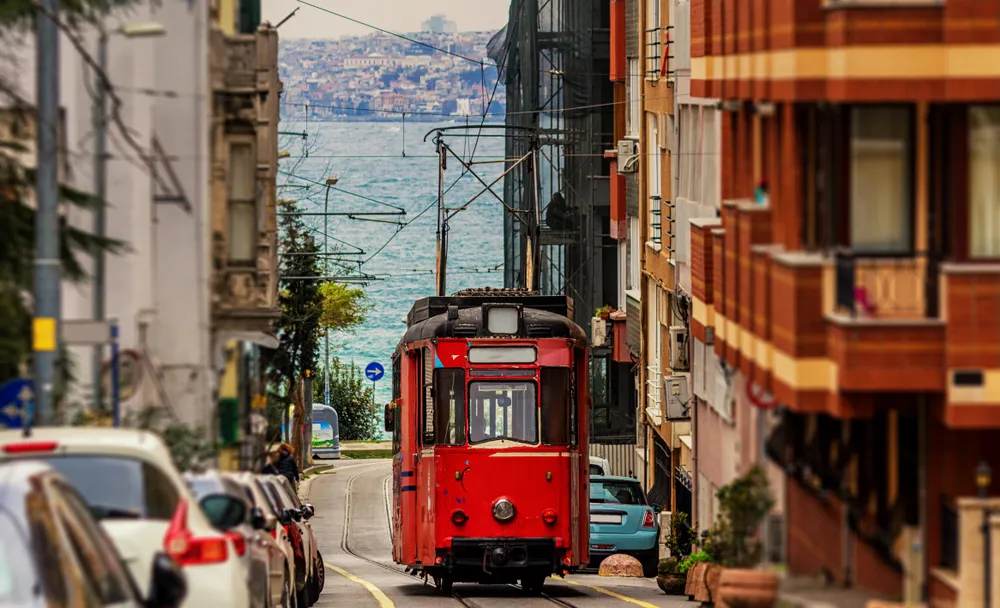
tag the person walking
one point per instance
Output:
(286, 464)
(271, 467)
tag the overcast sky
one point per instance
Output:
(393, 15)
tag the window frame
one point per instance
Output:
(491, 442)
(233, 141)
(426, 358)
(966, 211)
(461, 423)
(567, 417)
(910, 198)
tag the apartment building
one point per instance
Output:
(850, 289)
(194, 296)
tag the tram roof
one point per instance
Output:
(469, 323)
(427, 308)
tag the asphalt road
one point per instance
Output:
(361, 574)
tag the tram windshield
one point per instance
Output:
(503, 411)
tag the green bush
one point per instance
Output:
(681, 535)
(743, 504)
(694, 558)
(669, 565)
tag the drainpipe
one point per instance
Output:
(845, 521)
(922, 491)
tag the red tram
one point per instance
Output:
(489, 422)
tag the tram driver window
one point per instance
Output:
(503, 411)
(556, 405)
(449, 406)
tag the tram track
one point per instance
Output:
(345, 545)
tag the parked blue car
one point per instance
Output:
(621, 521)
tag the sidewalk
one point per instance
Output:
(365, 449)
(814, 593)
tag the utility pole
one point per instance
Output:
(442, 224)
(45, 326)
(326, 270)
(100, 191)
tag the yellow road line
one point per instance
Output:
(382, 599)
(618, 596)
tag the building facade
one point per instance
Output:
(849, 289)
(195, 292)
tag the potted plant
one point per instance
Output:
(689, 568)
(735, 545)
(604, 312)
(668, 578)
(681, 536)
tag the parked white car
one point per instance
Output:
(599, 466)
(131, 485)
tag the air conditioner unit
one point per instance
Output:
(679, 348)
(598, 332)
(678, 398)
(628, 156)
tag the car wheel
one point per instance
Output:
(318, 579)
(650, 562)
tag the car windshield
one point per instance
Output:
(503, 410)
(616, 492)
(119, 487)
(16, 577)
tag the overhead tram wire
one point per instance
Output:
(385, 31)
(342, 191)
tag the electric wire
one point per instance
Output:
(385, 31)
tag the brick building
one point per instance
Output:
(852, 283)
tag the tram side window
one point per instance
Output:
(449, 406)
(555, 405)
(428, 389)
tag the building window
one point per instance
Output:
(242, 204)
(984, 181)
(632, 263)
(653, 180)
(632, 93)
(881, 184)
(652, 346)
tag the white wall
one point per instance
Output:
(161, 279)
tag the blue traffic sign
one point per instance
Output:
(16, 400)
(374, 371)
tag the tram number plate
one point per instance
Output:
(605, 518)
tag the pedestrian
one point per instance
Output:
(270, 468)
(286, 464)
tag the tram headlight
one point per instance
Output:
(503, 510)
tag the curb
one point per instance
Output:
(314, 471)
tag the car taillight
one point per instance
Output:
(274, 533)
(549, 517)
(28, 447)
(647, 520)
(239, 543)
(186, 550)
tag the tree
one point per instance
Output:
(17, 243)
(353, 397)
(343, 307)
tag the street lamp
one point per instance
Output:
(287, 201)
(283, 154)
(144, 29)
(330, 182)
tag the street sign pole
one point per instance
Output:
(115, 370)
(374, 372)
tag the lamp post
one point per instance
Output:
(330, 182)
(983, 478)
(100, 120)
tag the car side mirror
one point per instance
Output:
(389, 419)
(308, 511)
(168, 585)
(657, 509)
(257, 519)
(224, 511)
(285, 517)
(293, 515)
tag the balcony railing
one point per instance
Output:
(655, 222)
(890, 287)
(654, 55)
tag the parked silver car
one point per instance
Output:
(227, 507)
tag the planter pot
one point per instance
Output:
(671, 584)
(740, 588)
(712, 577)
(605, 315)
(695, 579)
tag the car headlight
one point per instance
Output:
(503, 510)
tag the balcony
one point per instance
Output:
(702, 277)
(884, 330)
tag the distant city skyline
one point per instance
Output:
(394, 15)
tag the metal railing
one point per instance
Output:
(671, 225)
(656, 39)
(886, 286)
(655, 222)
